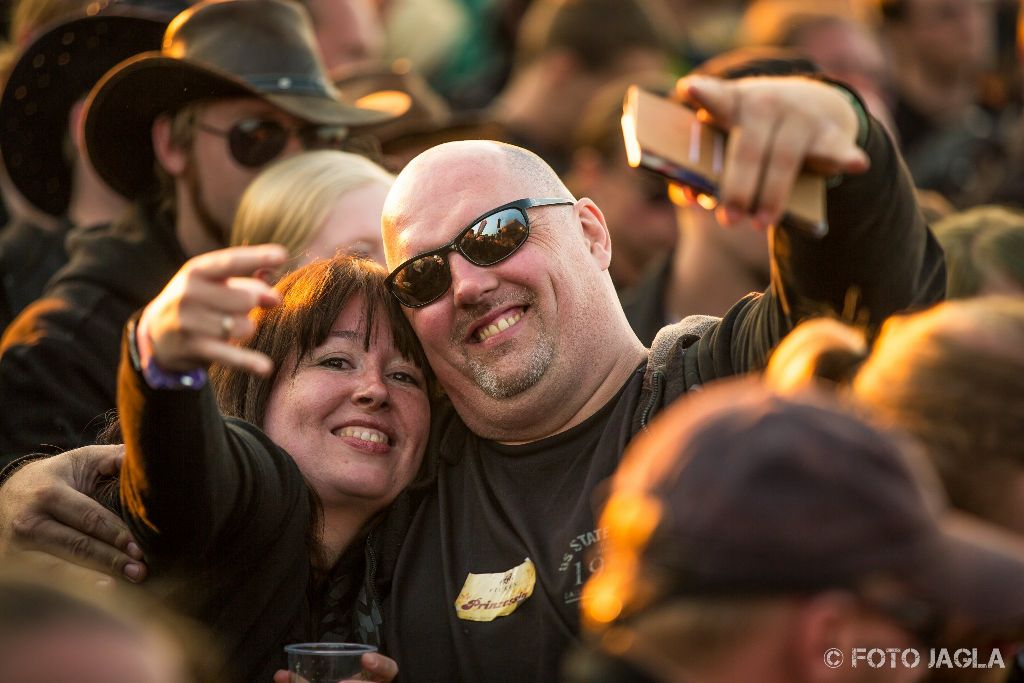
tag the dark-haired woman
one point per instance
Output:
(249, 516)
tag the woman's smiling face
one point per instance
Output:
(355, 420)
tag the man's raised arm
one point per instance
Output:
(879, 256)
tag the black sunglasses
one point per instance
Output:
(254, 141)
(491, 238)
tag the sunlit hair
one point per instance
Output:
(982, 244)
(952, 376)
(289, 202)
(312, 298)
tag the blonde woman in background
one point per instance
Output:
(316, 204)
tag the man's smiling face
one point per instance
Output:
(501, 330)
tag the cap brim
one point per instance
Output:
(121, 110)
(978, 573)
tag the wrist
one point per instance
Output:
(143, 341)
(140, 349)
(859, 109)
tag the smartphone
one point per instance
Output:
(667, 138)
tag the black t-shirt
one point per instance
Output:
(493, 509)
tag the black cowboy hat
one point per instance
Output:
(216, 49)
(52, 73)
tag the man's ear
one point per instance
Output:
(173, 158)
(595, 232)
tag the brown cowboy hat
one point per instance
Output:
(216, 49)
(52, 73)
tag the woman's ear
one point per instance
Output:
(595, 232)
(173, 158)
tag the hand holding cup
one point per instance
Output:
(335, 663)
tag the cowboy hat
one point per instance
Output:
(216, 49)
(52, 73)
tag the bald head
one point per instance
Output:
(481, 172)
(510, 341)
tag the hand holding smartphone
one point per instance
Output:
(667, 138)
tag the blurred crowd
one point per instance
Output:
(360, 321)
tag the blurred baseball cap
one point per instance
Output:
(740, 492)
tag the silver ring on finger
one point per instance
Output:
(227, 326)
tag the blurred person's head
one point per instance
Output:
(348, 32)
(845, 49)
(943, 38)
(565, 51)
(316, 204)
(635, 202)
(838, 35)
(237, 85)
(348, 397)
(606, 37)
(984, 249)
(749, 534)
(952, 376)
(77, 634)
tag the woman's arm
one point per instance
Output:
(189, 477)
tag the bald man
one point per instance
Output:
(476, 573)
(546, 376)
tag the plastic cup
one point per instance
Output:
(325, 662)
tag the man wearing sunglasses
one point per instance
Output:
(181, 132)
(504, 277)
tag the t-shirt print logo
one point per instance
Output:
(485, 597)
(584, 559)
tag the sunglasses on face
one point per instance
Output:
(489, 239)
(254, 142)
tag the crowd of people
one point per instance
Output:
(350, 321)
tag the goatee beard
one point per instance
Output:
(534, 364)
